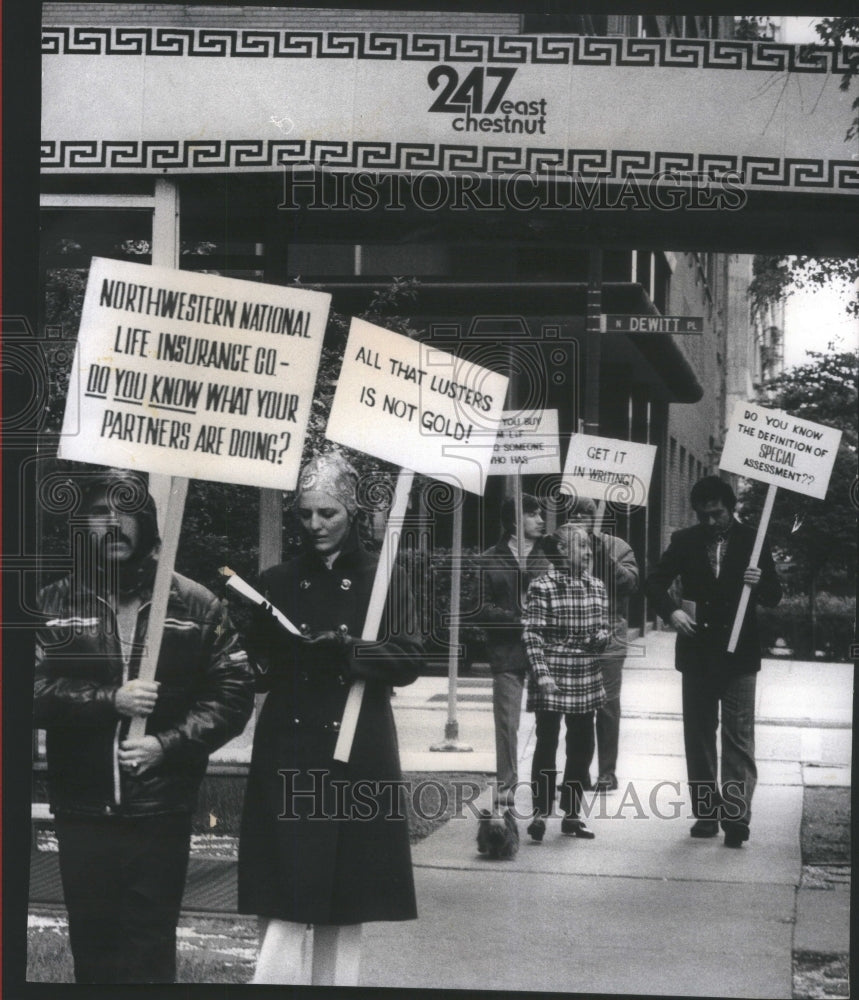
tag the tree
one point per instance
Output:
(815, 540)
(775, 277)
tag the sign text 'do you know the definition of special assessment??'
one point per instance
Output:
(193, 375)
(776, 448)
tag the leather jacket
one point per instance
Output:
(205, 698)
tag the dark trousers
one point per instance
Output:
(123, 881)
(608, 715)
(507, 711)
(580, 750)
(703, 695)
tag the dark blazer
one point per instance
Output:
(502, 588)
(716, 599)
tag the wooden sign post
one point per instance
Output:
(776, 448)
(399, 399)
(378, 596)
(161, 590)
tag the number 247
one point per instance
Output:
(456, 96)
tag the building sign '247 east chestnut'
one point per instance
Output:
(502, 105)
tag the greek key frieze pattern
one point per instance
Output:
(679, 53)
(602, 164)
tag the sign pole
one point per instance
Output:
(756, 555)
(599, 514)
(378, 596)
(451, 729)
(161, 590)
(168, 492)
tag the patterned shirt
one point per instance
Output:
(716, 551)
(562, 614)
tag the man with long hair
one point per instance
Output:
(123, 806)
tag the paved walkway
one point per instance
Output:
(641, 909)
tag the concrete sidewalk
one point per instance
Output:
(643, 908)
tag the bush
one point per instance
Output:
(791, 621)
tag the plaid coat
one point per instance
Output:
(562, 613)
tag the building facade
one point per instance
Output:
(515, 285)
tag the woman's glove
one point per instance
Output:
(336, 645)
(597, 642)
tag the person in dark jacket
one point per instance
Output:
(506, 570)
(326, 843)
(712, 562)
(123, 806)
(613, 562)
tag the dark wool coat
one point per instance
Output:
(716, 599)
(324, 842)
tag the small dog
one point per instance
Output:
(497, 835)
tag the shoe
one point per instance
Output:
(736, 835)
(704, 828)
(574, 827)
(605, 783)
(536, 829)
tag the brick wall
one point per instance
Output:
(316, 18)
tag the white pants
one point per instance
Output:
(287, 956)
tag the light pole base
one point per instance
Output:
(452, 746)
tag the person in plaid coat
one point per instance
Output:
(566, 627)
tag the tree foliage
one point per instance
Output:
(816, 539)
(775, 277)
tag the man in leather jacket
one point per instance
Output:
(123, 806)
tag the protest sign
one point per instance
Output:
(774, 447)
(422, 409)
(608, 469)
(416, 406)
(527, 443)
(193, 375)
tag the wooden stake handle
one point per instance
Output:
(599, 514)
(161, 590)
(756, 555)
(378, 596)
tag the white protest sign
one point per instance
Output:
(527, 442)
(608, 469)
(776, 448)
(416, 406)
(193, 375)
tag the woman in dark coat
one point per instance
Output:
(324, 842)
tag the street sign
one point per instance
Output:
(622, 323)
